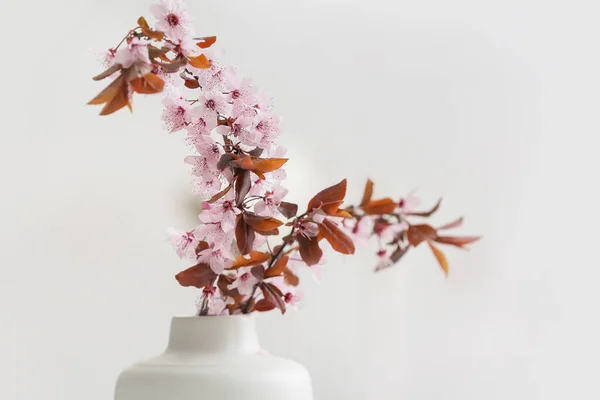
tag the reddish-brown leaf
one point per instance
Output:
(191, 83)
(155, 52)
(343, 214)
(441, 258)
(149, 31)
(290, 278)
(336, 238)
(332, 208)
(278, 268)
(244, 163)
(154, 82)
(259, 174)
(220, 194)
(242, 186)
(263, 305)
(398, 254)
(223, 284)
(206, 42)
(258, 272)
(276, 290)
(256, 152)
(105, 74)
(367, 194)
(418, 233)
(288, 210)
(109, 92)
(331, 194)
(380, 207)
(271, 232)
(426, 213)
(148, 84)
(244, 235)
(458, 241)
(200, 61)
(173, 66)
(272, 297)
(453, 224)
(143, 23)
(120, 100)
(262, 224)
(310, 251)
(268, 164)
(202, 245)
(225, 160)
(198, 276)
(255, 258)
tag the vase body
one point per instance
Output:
(216, 358)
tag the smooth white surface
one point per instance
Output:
(214, 358)
(493, 104)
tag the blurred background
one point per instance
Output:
(491, 104)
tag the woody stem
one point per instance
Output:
(246, 308)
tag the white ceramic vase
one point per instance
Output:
(216, 358)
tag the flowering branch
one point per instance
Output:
(238, 167)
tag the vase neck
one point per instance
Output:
(223, 334)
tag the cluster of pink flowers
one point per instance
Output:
(241, 263)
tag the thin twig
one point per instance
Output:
(246, 309)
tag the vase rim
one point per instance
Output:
(213, 333)
(241, 316)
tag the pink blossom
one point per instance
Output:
(184, 243)
(105, 56)
(307, 229)
(245, 281)
(213, 233)
(410, 202)
(210, 153)
(186, 46)
(292, 296)
(278, 174)
(278, 151)
(318, 216)
(214, 301)
(295, 263)
(214, 104)
(217, 306)
(268, 205)
(211, 79)
(384, 260)
(242, 128)
(267, 125)
(173, 18)
(217, 257)
(240, 109)
(360, 231)
(224, 211)
(207, 185)
(240, 91)
(171, 80)
(259, 241)
(135, 51)
(294, 299)
(201, 122)
(265, 102)
(388, 232)
(259, 187)
(176, 114)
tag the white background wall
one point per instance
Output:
(493, 104)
